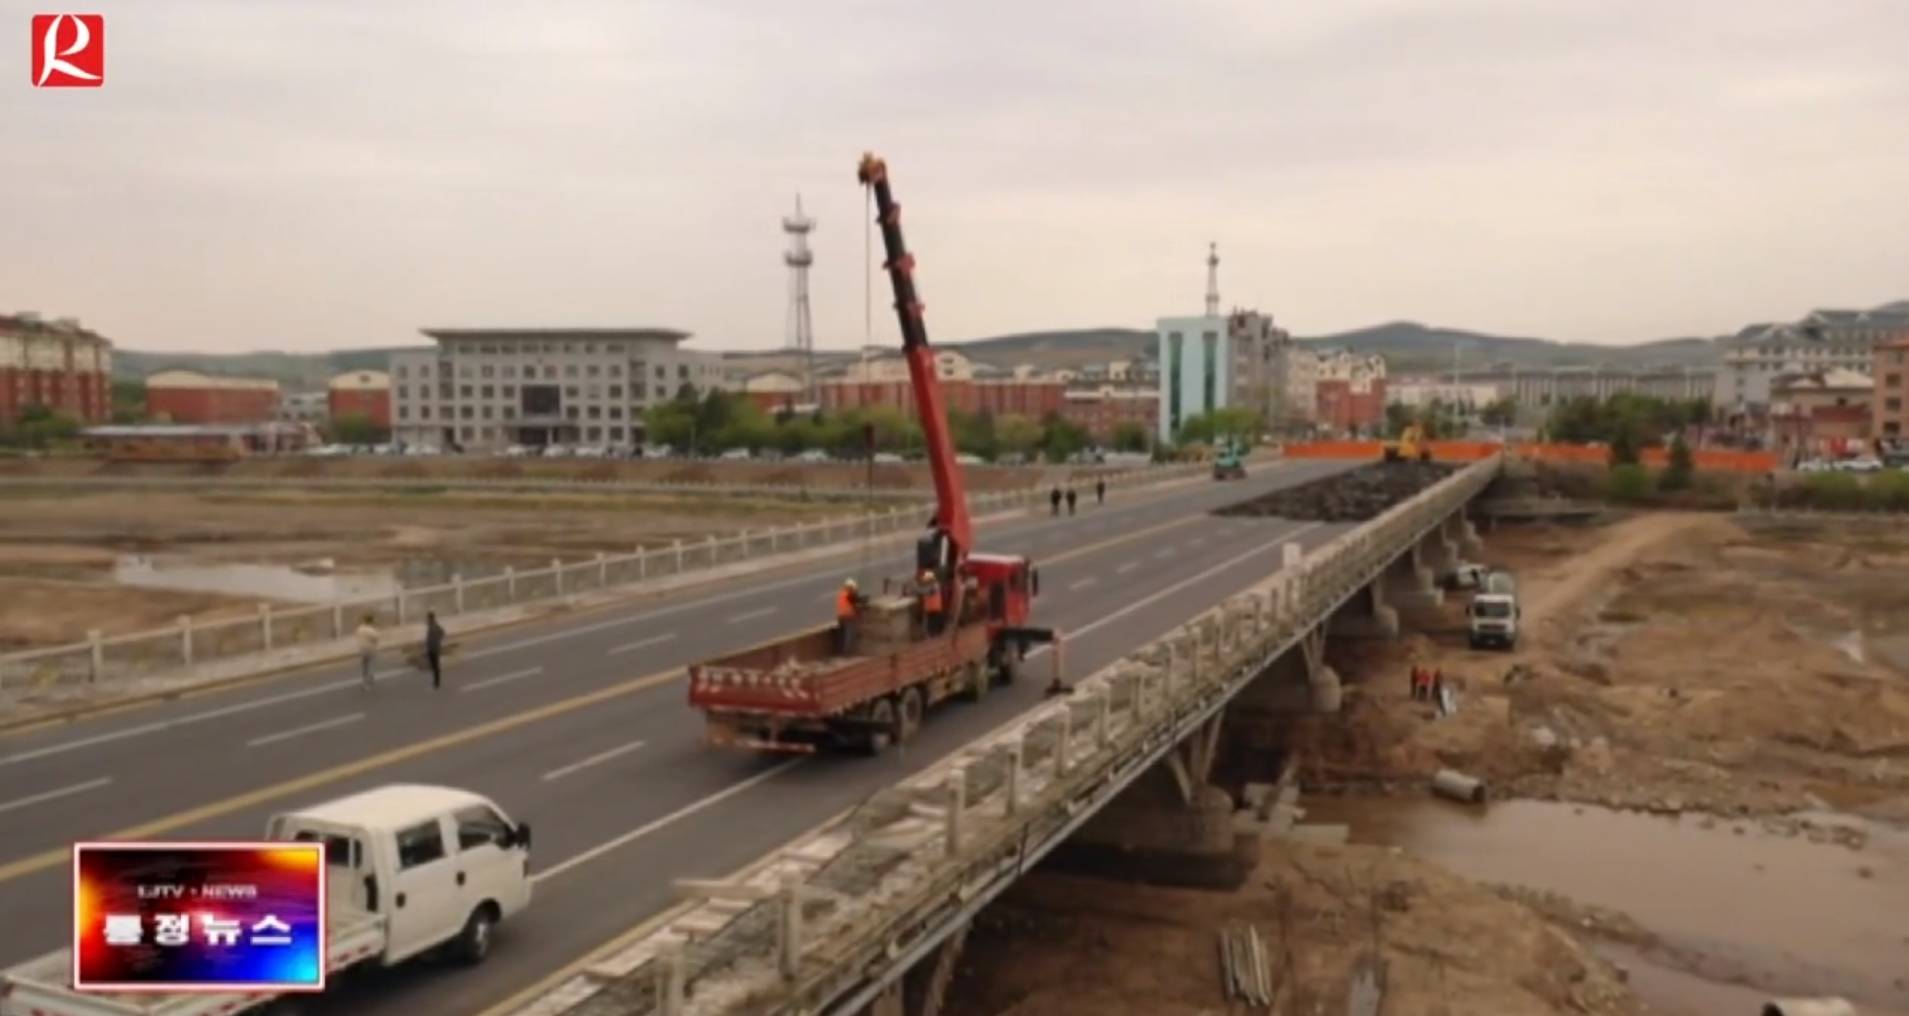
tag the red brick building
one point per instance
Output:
(1100, 411)
(184, 396)
(1034, 399)
(1351, 407)
(55, 364)
(365, 393)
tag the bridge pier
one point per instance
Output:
(1412, 579)
(1460, 530)
(1366, 615)
(923, 990)
(1170, 827)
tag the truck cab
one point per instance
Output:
(1494, 613)
(440, 866)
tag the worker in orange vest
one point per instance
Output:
(848, 616)
(933, 616)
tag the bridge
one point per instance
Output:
(867, 913)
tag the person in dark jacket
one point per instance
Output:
(434, 648)
(1055, 500)
(1100, 491)
(1070, 500)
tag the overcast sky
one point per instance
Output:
(324, 173)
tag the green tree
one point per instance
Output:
(1398, 416)
(1628, 483)
(1195, 429)
(129, 401)
(737, 423)
(1681, 468)
(1501, 412)
(1624, 445)
(1130, 437)
(1017, 434)
(973, 433)
(671, 423)
(358, 429)
(1061, 439)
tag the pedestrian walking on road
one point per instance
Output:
(1415, 680)
(367, 635)
(434, 648)
(1055, 500)
(1100, 491)
(1070, 500)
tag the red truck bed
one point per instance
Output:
(800, 676)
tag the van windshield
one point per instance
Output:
(340, 851)
(1491, 609)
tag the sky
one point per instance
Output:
(317, 174)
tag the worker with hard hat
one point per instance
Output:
(848, 612)
(928, 588)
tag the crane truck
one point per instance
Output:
(800, 694)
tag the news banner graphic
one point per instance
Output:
(199, 916)
(69, 50)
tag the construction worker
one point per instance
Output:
(928, 588)
(848, 617)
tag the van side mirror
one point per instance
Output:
(520, 837)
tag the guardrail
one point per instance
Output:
(608, 485)
(828, 921)
(194, 642)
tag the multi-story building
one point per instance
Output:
(1536, 390)
(1351, 405)
(1822, 340)
(1300, 370)
(304, 407)
(1889, 406)
(1822, 412)
(1099, 411)
(486, 387)
(1035, 399)
(365, 393)
(1211, 362)
(1418, 393)
(56, 364)
(773, 391)
(186, 396)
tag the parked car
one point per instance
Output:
(558, 451)
(423, 449)
(735, 454)
(657, 451)
(970, 460)
(888, 458)
(1863, 464)
(591, 452)
(518, 451)
(813, 455)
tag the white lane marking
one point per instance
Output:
(515, 675)
(1163, 553)
(602, 756)
(641, 644)
(751, 615)
(1138, 514)
(312, 728)
(1159, 595)
(1083, 583)
(77, 788)
(1125, 568)
(675, 816)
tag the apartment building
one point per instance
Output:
(1890, 404)
(490, 387)
(56, 364)
(1821, 340)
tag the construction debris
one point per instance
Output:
(1245, 974)
(1458, 786)
(1356, 496)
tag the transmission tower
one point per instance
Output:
(801, 336)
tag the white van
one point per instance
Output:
(410, 868)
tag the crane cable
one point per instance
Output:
(868, 340)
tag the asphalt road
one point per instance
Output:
(579, 727)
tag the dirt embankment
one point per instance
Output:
(1670, 662)
(1060, 945)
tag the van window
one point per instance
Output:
(340, 851)
(478, 825)
(420, 844)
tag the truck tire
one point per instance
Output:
(1010, 666)
(882, 721)
(909, 715)
(977, 677)
(474, 942)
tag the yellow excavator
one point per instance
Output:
(1409, 447)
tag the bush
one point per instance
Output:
(1834, 492)
(1890, 491)
(1678, 472)
(1628, 484)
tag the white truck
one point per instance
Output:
(1494, 612)
(411, 868)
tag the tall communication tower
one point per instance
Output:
(801, 328)
(1212, 280)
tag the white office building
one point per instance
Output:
(492, 387)
(1193, 369)
(1822, 340)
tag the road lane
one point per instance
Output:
(592, 805)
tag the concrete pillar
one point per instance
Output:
(789, 938)
(556, 569)
(1063, 740)
(337, 620)
(1439, 553)
(675, 982)
(712, 550)
(265, 625)
(96, 660)
(642, 565)
(603, 570)
(185, 639)
(1367, 614)
(1469, 543)
(678, 544)
(956, 803)
(510, 584)
(1014, 778)
(457, 591)
(400, 599)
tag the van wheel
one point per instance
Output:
(882, 725)
(474, 942)
(908, 718)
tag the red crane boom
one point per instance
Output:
(951, 499)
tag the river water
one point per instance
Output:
(1773, 913)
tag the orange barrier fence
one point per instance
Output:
(1719, 459)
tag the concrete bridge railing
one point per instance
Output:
(830, 922)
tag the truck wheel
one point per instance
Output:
(908, 718)
(881, 718)
(474, 942)
(977, 678)
(1010, 666)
